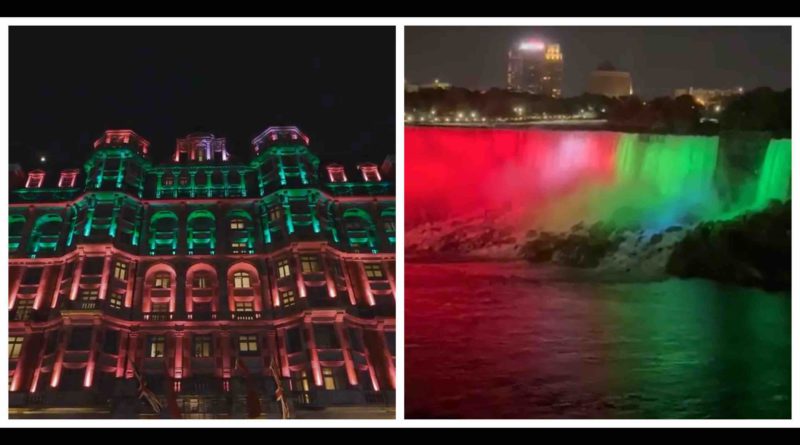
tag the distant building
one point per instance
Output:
(710, 98)
(536, 67)
(608, 81)
(436, 85)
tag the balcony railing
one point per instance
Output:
(88, 305)
(157, 316)
(201, 316)
(245, 315)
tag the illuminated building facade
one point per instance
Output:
(608, 81)
(182, 270)
(536, 67)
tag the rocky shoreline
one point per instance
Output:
(753, 249)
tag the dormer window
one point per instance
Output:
(35, 179)
(370, 172)
(67, 178)
(336, 173)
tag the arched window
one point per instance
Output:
(163, 232)
(46, 233)
(201, 292)
(359, 228)
(241, 280)
(159, 295)
(201, 232)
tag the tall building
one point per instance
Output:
(608, 81)
(190, 272)
(536, 67)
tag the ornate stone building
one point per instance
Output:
(182, 270)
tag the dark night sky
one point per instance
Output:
(659, 59)
(69, 84)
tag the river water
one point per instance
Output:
(507, 340)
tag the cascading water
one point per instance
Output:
(554, 179)
(774, 180)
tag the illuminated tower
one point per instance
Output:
(182, 270)
(536, 67)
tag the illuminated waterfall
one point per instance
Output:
(554, 179)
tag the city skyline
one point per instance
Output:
(721, 57)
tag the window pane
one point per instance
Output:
(325, 336)
(14, 346)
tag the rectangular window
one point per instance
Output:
(104, 210)
(111, 342)
(248, 343)
(33, 275)
(300, 381)
(168, 181)
(325, 336)
(163, 281)
(159, 308)
(287, 298)
(183, 180)
(309, 263)
(89, 294)
(93, 266)
(35, 180)
(283, 268)
(67, 178)
(80, 339)
(88, 298)
(115, 300)
(275, 213)
(374, 271)
(241, 280)
(24, 309)
(238, 247)
(121, 270)
(243, 306)
(202, 346)
(237, 224)
(356, 341)
(14, 346)
(294, 340)
(155, 347)
(200, 282)
(329, 378)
